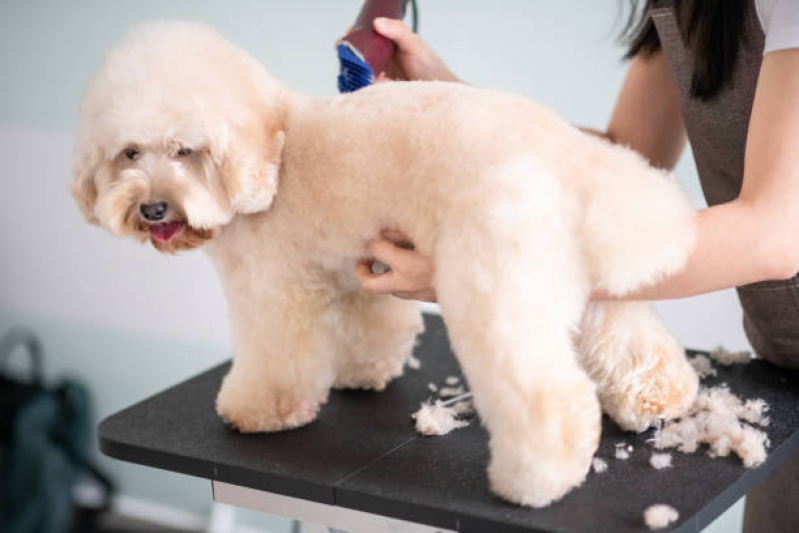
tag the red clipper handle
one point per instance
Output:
(376, 49)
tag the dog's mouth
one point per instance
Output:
(174, 235)
(164, 232)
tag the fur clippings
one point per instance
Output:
(660, 460)
(725, 357)
(721, 420)
(660, 515)
(464, 408)
(703, 366)
(450, 392)
(599, 465)
(437, 419)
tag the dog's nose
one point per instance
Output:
(153, 212)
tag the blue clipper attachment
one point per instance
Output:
(355, 72)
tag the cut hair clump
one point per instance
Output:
(450, 392)
(660, 515)
(722, 421)
(660, 460)
(725, 357)
(599, 465)
(703, 366)
(437, 419)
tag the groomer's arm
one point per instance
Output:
(754, 237)
(648, 116)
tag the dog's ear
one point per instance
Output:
(250, 164)
(83, 188)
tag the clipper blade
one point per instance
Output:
(355, 72)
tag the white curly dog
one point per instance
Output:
(185, 141)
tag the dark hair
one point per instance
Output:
(712, 31)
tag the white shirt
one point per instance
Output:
(780, 22)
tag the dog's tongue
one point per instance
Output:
(164, 232)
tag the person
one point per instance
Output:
(724, 75)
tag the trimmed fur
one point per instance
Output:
(522, 214)
(660, 515)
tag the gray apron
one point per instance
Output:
(717, 131)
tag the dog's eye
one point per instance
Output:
(131, 153)
(183, 152)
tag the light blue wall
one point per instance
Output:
(85, 291)
(49, 48)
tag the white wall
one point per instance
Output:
(118, 312)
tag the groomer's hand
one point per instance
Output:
(413, 59)
(410, 274)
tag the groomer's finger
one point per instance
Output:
(376, 283)
(398, 238)
(419, 296)
(394, 256)
(406, 295)
(400, 33)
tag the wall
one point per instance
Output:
(131, 321)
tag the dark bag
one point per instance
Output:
(45, 433)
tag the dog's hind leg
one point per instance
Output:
(283, 363)
(637, 224)
(637, 227)
(511, 290)
(640, 370)
(374, 335)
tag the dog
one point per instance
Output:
(185, 141)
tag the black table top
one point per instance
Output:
(363, 453)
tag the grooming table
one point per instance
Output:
(361, 466)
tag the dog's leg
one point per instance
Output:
(511, 288)
(510, 332)
(374, 336)
(637, 224)
(283, 363)
(640, 370)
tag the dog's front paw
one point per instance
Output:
(370, 375)
(254, 410)
(376, 337)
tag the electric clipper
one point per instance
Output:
(364, 53)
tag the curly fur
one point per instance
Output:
(522, 214)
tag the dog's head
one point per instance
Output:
(179, 131)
